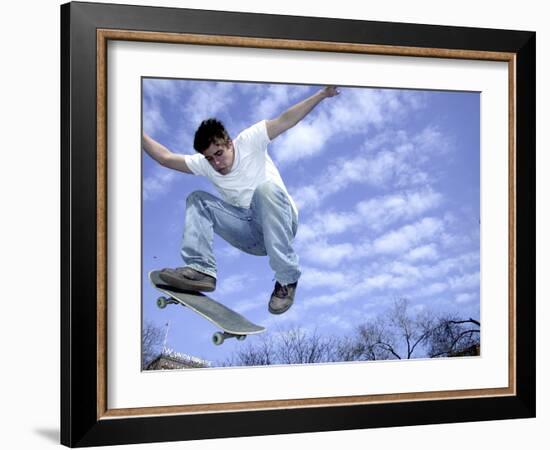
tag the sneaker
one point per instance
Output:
(282, 298)
(188, 279)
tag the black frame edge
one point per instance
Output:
(65, 435)
(231, 23)
(79, 230)
(304, 420)
(526, 221)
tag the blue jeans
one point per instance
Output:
(268, 227)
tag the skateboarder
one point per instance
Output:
(255, 212)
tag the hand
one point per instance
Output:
(330, 91)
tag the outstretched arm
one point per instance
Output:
(164, 156)
(297, 112)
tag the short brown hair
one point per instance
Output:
(210, 131)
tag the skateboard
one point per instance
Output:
(232, 324)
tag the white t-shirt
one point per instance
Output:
(252, 165)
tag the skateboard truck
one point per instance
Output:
(219, 337)
(163, 301)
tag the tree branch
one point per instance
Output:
(390, 349)
(460, 322)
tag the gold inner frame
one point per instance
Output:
(103, 36)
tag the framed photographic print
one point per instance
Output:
(344, 209)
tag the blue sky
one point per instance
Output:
(387, 182)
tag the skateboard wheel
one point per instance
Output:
(242, 337)
(218, 338)
(162, 302)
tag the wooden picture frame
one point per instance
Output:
(86, 418)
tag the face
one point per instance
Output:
(220, 155)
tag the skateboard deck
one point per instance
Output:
(231, 322)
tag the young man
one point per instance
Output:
(255, 214)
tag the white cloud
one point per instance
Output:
(382, 211)
(229, 252)
(411, 243)
(308, 196)
(432, 289)
(455, 240)
(155, 93)
(314, 278)
(276, 99)
(153, 120)
(234, 283)
(423, 252)
(377, 282)
(293, 316)
(404, 269)
(162, 89)
(335, 223)
(374, 214)
(395, 161)
(306, 139)
(251, 304)
(443, 268)
(465, 297)
(354, 110)
(342, 322)
(330, 255)
(325, 224)
(430, 139)
(390, 279)
(158, 183)
(467, 281)
(406, 237)
(207, 100)
(321, 301)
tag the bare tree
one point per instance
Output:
(452, 336)
(403, 334)
(298, 347)
(375, 341)
(292, 346)
(261, 353)
(413, 330)
(400, 333)
(151, 341)
(345, 349)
